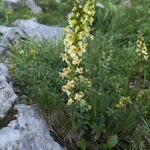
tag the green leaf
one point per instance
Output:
(111, 142)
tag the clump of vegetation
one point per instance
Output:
(54, 13)
(39, 64)
(117, 66)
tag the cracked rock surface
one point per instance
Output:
(27, 132)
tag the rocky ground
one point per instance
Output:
(21, 127)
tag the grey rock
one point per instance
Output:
(8, 37)
(7, 98)
(4, 29)
(37, 31)
(27, 132)
(28, 29)
(30, 4)
(33, 7)
(7, 95)
(3, 71)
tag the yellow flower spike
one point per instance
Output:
(141, 47)
(77, 32)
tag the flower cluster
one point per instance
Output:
(141, 47)
(120, 104)
(77, 32)
(123, 101)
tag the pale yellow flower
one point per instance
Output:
(65, 72)
(79, 96)
(82, 47)
(82, 34)
(66, 90)
(71, 84)
(70, 101)
(72, 22)
(69, 39)
(120, 104)
(77, 29)
(74, 49)
(64, 57)
(76, 61)
(79, 70)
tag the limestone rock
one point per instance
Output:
(38, 31)
(28, 29)
(7, 95)
(3, 72)
(4, 29)
(27, 132)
